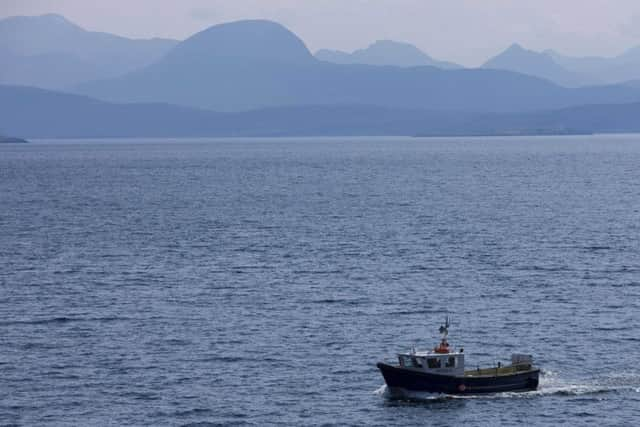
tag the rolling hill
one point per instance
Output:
(36, 113)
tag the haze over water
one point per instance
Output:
(257, 282)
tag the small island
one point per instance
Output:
(11, 139)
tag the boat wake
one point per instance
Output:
(414, 396)
(551, 384)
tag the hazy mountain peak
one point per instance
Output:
(50, 21)
(540, 64)
(519, 51)
(517, 47)
(248, 39)
(50, 51)
(54, 17)
(632, 54)
(384, 52)
(403, 52)
(394, 44)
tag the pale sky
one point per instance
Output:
(465, 31)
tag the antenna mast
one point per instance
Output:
(443, 347)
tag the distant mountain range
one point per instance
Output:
(49, 51)
(259, 64)
(258, 78)
(385, 52)
(542, 65)
(566, 70)
(623, 67)
(38, 113)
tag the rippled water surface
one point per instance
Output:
(257, 282)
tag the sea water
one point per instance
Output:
(257, 282)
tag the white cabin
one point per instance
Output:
(442, 360)
(451, 363)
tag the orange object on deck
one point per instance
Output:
(443, 348)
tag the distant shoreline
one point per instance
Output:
(12, 140)
(303, 138)
(512, 133)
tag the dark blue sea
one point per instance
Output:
(257, 282)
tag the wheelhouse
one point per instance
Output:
(442, 360)
(436, 363)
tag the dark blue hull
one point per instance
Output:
(401, 379)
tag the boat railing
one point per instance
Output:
(497, 370)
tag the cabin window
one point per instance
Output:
(433, 363)
(409, 362)
(416, 362)
(451, 362)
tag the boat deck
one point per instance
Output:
(492, 372)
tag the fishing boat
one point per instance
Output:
(442, 370)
